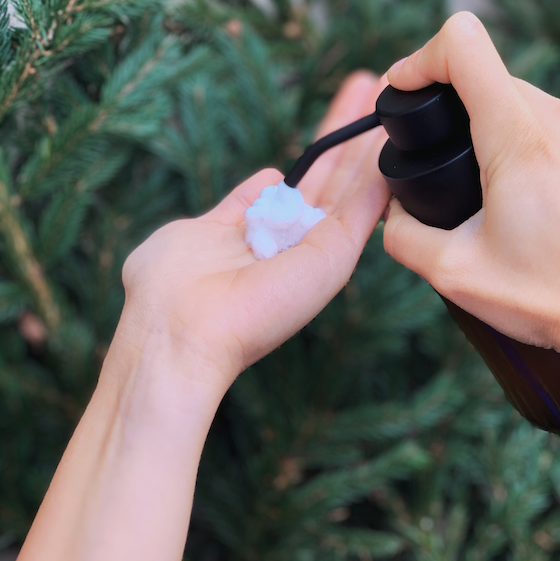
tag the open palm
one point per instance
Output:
(199, 280)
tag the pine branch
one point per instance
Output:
(334, 489)
(375, 422)
(24, 260)
(5, 34)
(50, 35)
(27, 70)
(130, 7)
(365, 544)
(58, 148)
(60, 226)
(131, 103)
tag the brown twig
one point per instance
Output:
(26, 263)
(41, 51)
(29, 70)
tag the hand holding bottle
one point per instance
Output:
(503, 264)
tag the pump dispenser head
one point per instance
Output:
(428, 161)
(419, 119)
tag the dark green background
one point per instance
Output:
(373, 433)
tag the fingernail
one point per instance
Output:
(397, 65)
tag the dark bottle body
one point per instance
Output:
(430, 166)
(421, 181)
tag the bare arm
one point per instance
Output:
(199, 309)
(124, 487)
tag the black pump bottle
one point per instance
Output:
(429, 160)
(430, 166)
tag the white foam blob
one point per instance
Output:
(277, 220)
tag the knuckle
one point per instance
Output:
(443, 273)
(449, 273)
(536, 143)
(530, 145)
(447, 268)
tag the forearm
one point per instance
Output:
(124, 487)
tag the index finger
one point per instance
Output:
(463, 54)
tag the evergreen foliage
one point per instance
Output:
(375, 433)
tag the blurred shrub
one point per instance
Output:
(375, 432)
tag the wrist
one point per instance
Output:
(155, 369)
(148, 342)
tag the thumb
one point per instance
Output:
(418, 247)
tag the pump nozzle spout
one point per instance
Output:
(307, 159)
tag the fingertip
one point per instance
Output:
(354, 84)
(393, 215)
(394, 69)
(406, 74)
(395, 207)
(232, 208)
(246, 193)
(263, 177)
(351, 91)
(267, 176)
(352, 94)
(383, 82)
(361, 77)
(463, 22)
